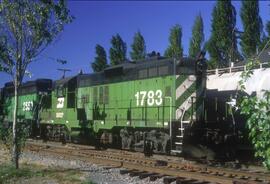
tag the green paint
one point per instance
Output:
(186, 95)
(180, 80)
(26, 107)
(122, 108)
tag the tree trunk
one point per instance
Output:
(15, 154)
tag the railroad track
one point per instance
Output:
(135, 164)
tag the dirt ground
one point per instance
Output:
(37, 173)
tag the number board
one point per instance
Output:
(28, 106)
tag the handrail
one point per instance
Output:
(233, 69)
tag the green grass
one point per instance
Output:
(88, 182)
(8, 174)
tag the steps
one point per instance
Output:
(179, 129)
(178, 138)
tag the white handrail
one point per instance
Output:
(234, 69)
(170, 98)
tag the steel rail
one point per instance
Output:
(199, 172)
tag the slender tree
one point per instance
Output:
(222, 45)
(26, 29)
(138, 47)
(175, 48)
(100, 59)
(197, 39)
(252, 24)
(118, 50)
(267, 28)
(263, 42)
(265, 37)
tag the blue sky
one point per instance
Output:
(96, 21)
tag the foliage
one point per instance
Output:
(175, 48)
(263, 42)
(100, 59)
(222, 45)
(6, 138)
(257, 111)
(252, 24)
(265, 38)
(118, 50)
(267, 28)
(197, 39)
(26, 29)
(138, 47)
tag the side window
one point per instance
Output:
(163, 70)
(23, 91)
(27, 90)
(85, 82)
(82, 82)
(152, 72)
(142, 73)
(60, 91)
(101, 95)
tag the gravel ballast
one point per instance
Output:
(91, 172)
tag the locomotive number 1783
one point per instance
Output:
(150, 97)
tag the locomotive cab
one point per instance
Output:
(62, 120)
(65, 92)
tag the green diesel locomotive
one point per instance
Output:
(32, 98)
(133, 105)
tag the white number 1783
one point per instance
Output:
(153, 98)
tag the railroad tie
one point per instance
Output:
(239, 182)
(169, 179)
(135, 173)
(155, 177)
(204, 182)
(109, 167)
(186, 181)
(161, 163)
(125, 171)
(246, 182)
(145, 175)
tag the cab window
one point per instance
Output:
(60, 91)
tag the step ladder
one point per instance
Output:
(179, 138)
(177, 144)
